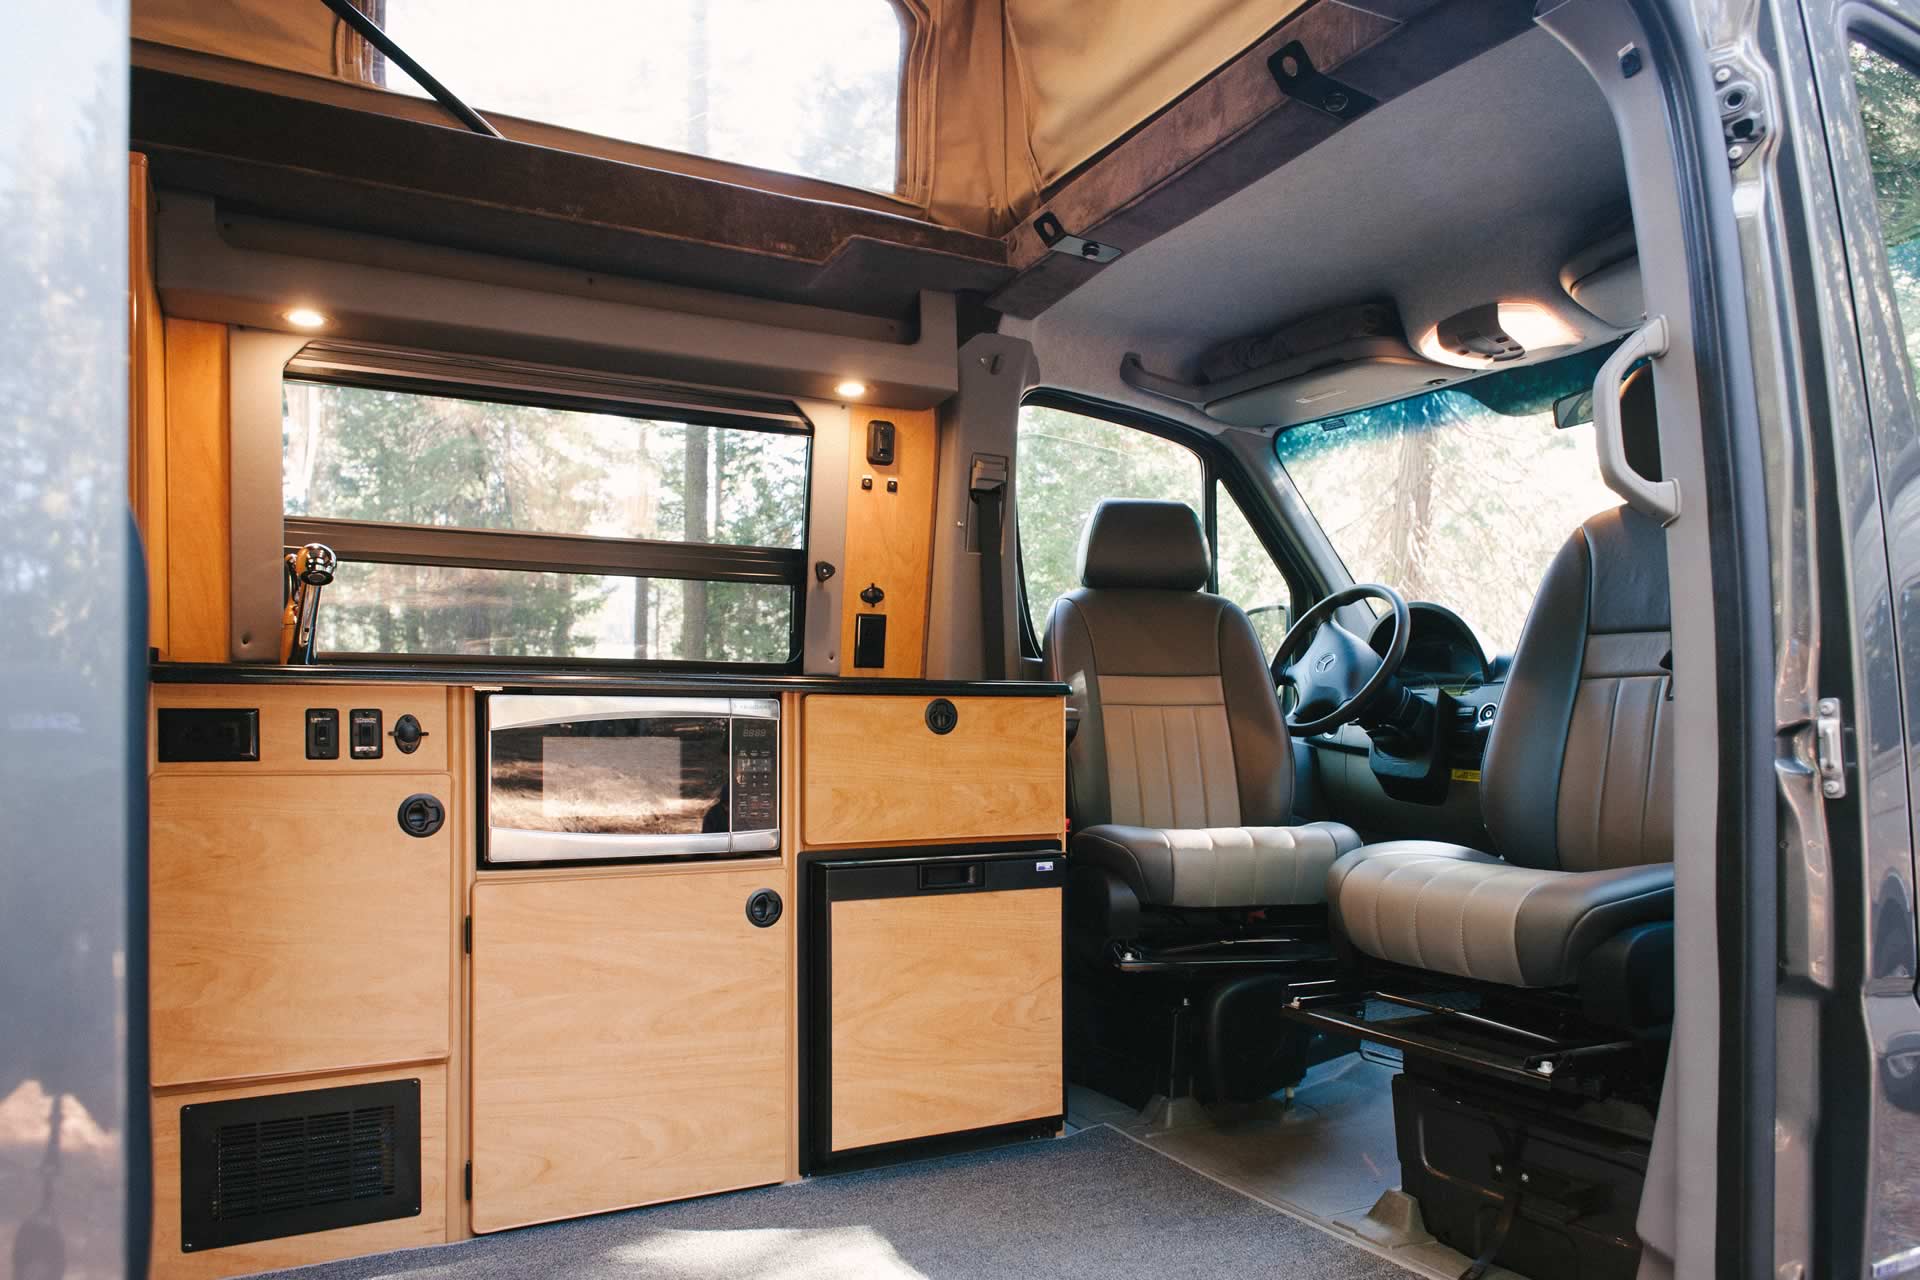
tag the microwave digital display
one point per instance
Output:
(613, 778)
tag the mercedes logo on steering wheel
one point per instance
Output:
(1322, 663)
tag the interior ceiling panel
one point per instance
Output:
(1475, 186)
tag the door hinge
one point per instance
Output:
(469, 1179)
(1830, 748)
(466, 935)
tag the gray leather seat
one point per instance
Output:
(1577, 788)
(1181, 772)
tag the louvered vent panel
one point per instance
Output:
(289, 1163)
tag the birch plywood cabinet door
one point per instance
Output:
(630, 1043)
(296, 927)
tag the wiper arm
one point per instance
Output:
(370, 32)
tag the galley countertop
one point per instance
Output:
(600, 679)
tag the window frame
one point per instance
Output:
(526, 551)
(364, 65)
(1219, 468)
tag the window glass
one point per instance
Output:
(381, 458)
(1248, 576)
(1890, 114)
(810, 88)
(495, 613)
(399, 457)
(1067, 463)
(1446, 498)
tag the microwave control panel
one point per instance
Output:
(756, 774)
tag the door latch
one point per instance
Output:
(1740, 95)
(1829, 749)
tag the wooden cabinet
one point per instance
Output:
(296, 927)
(946, 1014)
(429, 1226)
(631, 1042)
(873, 772)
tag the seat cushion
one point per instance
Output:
(1456, 910)
(1219, 866)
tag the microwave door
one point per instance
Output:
(565, 784)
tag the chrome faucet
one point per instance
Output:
(308, 569)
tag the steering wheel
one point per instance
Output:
(1337, 676)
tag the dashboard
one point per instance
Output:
(1441, 651)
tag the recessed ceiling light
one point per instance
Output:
(304, 318)
(851, 389)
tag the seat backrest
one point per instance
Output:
(1179, 723)
(1579, 772)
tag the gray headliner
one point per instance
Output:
(1478, 185)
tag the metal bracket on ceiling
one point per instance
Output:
(1053, 233)
(1300, 80)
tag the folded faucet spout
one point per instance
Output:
(308, 569)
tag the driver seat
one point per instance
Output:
(1180, 775)
(1577, 790)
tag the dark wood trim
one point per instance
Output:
(1237, 127)
(335, 166)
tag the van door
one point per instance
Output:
(1847, 169)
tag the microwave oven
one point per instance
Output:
(623, 778)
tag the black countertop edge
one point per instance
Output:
(598, 679)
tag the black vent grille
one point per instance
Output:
(285, 1164)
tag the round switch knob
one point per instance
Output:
(421, 815)
(763, 908)
(407, 734)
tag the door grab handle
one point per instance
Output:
(1656, 499)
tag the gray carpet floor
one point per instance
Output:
(1096, 1205)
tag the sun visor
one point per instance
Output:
(1604, 280)
(1332, 362)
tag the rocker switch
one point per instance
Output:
(323, 733)
(363, 724)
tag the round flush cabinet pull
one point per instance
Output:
(421, 815)
(942, 716)
(763, 908)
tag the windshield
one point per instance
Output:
(1445, 497)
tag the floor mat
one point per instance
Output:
(1096, 1205)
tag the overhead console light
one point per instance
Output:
(304, 318)
(1321, 365)
(851, 389)
(1494, 333)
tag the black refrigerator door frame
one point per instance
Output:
(816, 991)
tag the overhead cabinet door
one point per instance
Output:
(630, 1043)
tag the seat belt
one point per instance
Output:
(988, 486)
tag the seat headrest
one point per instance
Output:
(1156, 546)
